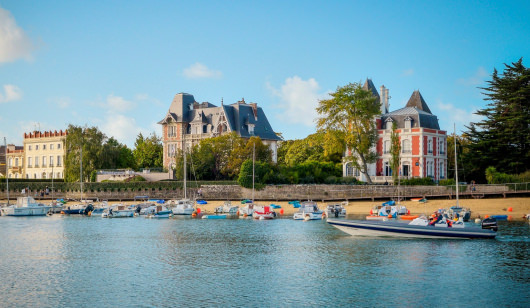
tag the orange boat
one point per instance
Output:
(408, 217)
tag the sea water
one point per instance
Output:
(67, 261)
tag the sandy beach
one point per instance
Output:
(479, 207)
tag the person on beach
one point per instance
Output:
(47, 191)
(199, 192)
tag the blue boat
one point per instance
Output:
(275, 206)
(221, 216)
(500, 217)
(202, 202)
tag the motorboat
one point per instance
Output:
(246, 210)
(263, 212)
(336, 209)
(158, 211)
(308, 211)
(227, 208)
(417, 228)
(78, 209)
(26, 206)
(118, 211)
(182, 207)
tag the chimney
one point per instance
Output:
(386, 100)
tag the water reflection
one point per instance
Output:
(80, 261)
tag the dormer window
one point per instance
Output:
(388, 123)
(251, 129)
(408, 122)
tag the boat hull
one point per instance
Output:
(400, 229)
(26, 211)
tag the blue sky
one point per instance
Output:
(117, 64)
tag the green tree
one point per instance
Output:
(348, 122)
(148, 151)
(395, 150)
(87, 140)
(502, 138)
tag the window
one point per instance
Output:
(29, 147)
(29, 163)
(429, 149)
(44, 147)
(51, 146)
(51, 161)
(251, 129)
(58, 175)
(10, 163)
(44, 161)
(58, 145)
(58, 160)
(442, 150)
(408, 122)
(36, 147)
(36, 161)
(441, 170)
(386, 148)
(27, 176)
(16, 162)
(172, 131)
(405, 148)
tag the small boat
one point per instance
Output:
(26, 206)
(218, 216)
(200, 201)
(118, 211)
(275, 206)
(499, 217)
(158, 211)
(227, 208)
(295, 204)
(78, 209)
(247, 210)
(336, 209)
(418, 200)
(389, 208)
(417, 228)
(182, 207)
(308, 211)
(263, 212)
(408, 217)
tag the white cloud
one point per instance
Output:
(117, 104)
(199, 70)
(61, 102)
(299, 100)
(122, 128)
(408, 72)
(11, 93)
(14, 43)
(474, 80)
(451, 114)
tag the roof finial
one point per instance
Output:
(221, 101)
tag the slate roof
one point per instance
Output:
(369, 85)
(419, 118)
(416, 100)
(184, 108)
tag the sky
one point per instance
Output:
(118, 64)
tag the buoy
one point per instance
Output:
(477, 220)
(281, 211)
(262, 218)
(198, 210)
(323, 215)
(237, 213)
(194, 215)
(510, 217)
(245, 215)
(371, 212)
(408, 212)
(510, 209)
(486, 216)
(389, 215)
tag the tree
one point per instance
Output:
(502, 138)
(89, 141)
(395, 150)
(348, 122)
(148, 151)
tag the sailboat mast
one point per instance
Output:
(456, 165)
(81, 170)
(7, 170)
(253, 161)
(185, 175)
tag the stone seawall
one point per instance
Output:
(275, 192)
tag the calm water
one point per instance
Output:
(92, 262)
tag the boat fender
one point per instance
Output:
(237, 213)
(371, 212)
(408, 212)
(323, 215)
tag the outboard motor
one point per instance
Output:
(138, 209)
(490, 223)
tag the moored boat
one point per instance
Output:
(227, 208)
(336, 209)
(308, 211)
(26, 206)
(263, 212)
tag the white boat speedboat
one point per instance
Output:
(227, 208)
(336, 209)
(418, 228)
(246, 210)
(263, 212)
(182, 207)
(158, 211)
(26, 206)
(308, 211)
(118, 211)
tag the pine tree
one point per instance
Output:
(502, 138)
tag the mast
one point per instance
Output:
(7, 170)
(184, 153)
(456, 165)
(253, 161)
(81, 171)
